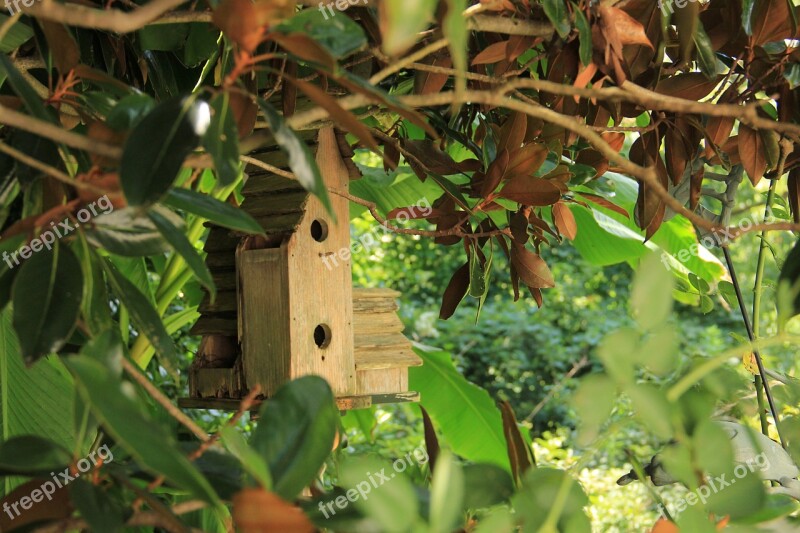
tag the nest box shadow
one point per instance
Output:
(282, 311)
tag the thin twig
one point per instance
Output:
(113, 20)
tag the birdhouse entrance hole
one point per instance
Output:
(322, 336)
(319, 230)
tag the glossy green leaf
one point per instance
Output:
(706, 57)
(651, 296)
(144, 316)
(201, 44)
(551, 496)
(301, 161)
(338, 34)
(157, 147)
(295, 433)
(454, 27)
(460, 410)
(127, 232)
(98, 506)
(220, 213)
(222, 139)
(129, 111)
(748, 6)
(123, 418)
(18, 34)
(556, 11)
(47, 296)
(166, 37)
(165, 221)
(584, 34)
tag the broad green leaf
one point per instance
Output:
(485, 486)
(222, 139)
(301, 161)
(447, 494)
(144, 316)
(126, 232)
(295, 433)
(463, 412)
(32, 455)
(165, 222)
(556, 11)
(593, 401)
(500, 520)
(651, 296)
(404, 190)
(251, 461)
(220, 213)
(401, 23)
(157, 147)
(584, 34)
(47, 295)
(129, 111)
(17, 34)
(651, 408)
(339, 34)
(392, 502)
(201, 44)
(33, 401)
(123, 418)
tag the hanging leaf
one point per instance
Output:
(221, 140)
(519, 453)
(565, 221)
(556, 11)
(751, 152)
(144, 317)
(531, 268)
(584, 34)
(171, 227)
(157, 147)
(455, 292)
(295, 433)
(301, 161)
(527, 190)
(46, 296)
(220, 213)
(454, 27)
(706, 57)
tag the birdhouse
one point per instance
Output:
(285, 304)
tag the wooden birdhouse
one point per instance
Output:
(285, 305)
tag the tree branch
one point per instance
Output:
(101, 19)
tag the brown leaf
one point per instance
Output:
(342, 118)
(565, 221)
(532, 269)
(676, 154)
(513, 132)
(256, 510)
(245, 112)
(431, 82)
(289, 91)
(519, 454)
(436, 160)
(751, 152)
(495, 173)
(491, 54)
(57, 508)
(245, 22)
(696, 188)
(718, 130)
(431, 440)
(304, 47)
(66, 54)
(527, 159)
(772, 22)
(455, 292)
(689, 86)
(528, 190)
(604, 202)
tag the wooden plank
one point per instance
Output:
(322, 297)
(214, 382)
(225, 303)
(367, 324)
(275, 204)
(382, 381)
(267, 184)
(375, 305)
(343, 403)
(386, 359)
(220, 240)
(264, 318)
(360, 293)
(382, 341)
(214, 325)
(224, 280)
(286, 223)
(218, 261)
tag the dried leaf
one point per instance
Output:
(431, 440)
(513, 132)
(455, 292)
(718, 130)
(565, 221)
(689, 86)
(751, 153)
(527, 190)
(518, 453)
(527, 159)
(63, 47)
(532, 269)
(491, 54)
(256, 510)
